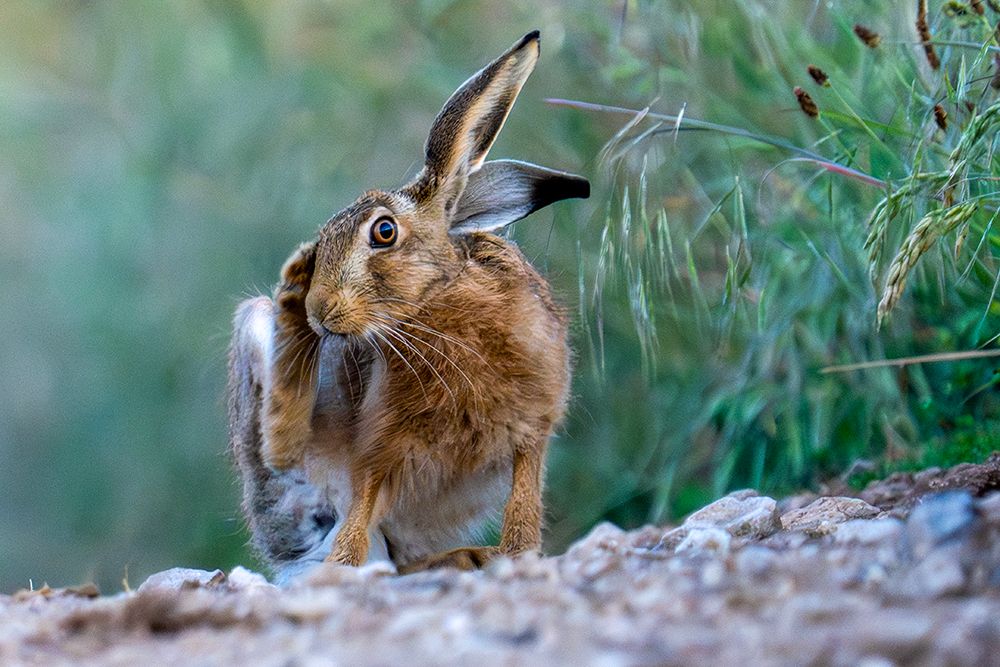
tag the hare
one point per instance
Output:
(402, 386)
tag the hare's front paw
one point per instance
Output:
(351, 548)
(296, 275)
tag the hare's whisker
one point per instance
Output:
(444, 356)
(395, 333)
(378, 331)
(434, 332)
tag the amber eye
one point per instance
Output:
(384, 232)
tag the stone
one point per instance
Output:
(939, 574)
(182, 578)
(822, 516)
(756, 560)
(243, 579)
(868, 531)
(705, 540)
(939, 518)
(742, 514)
(989, 507)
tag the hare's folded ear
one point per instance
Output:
(504, 191)
(470, 120)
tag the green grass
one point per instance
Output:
(967, 442)
(740, 275)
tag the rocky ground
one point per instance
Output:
(908, 571)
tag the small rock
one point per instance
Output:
(868, 531)
(243, 579)
(940, 573)
(756, 560)
(822, 516)
(713, 574)
(741, 514)
(332, 574)
(701, 540)
(989, 507)
(181, 578)
(795, 502)
(605, 536)
(939, 518)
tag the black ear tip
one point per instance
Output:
(558, 186)
(575, 187)
(532, 36)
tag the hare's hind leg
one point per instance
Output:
(289, 519)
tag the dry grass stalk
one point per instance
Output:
(806, 102)
(908, 361)
(870, 38)
(925, 35)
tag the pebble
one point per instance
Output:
(742, 514)
(939, 518)
(181, 578)
(868, 531)
(705, 540)
(822, 516)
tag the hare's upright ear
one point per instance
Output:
(487, 196)
(470, 120)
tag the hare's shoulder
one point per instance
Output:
(504, 265)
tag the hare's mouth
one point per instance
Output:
(337, 325)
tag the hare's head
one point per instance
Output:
(385, 254)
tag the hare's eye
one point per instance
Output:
(384, 232)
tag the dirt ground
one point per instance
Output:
(905, 572)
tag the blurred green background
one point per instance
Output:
(158, 161)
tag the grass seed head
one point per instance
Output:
(870, 38)
(818, 75)
(977, 6)
(806, 102)
(940, 117)
(923, 29)
(931, 227)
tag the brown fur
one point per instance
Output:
(464, 363)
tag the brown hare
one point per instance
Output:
(403, 385)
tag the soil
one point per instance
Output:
(905, 571)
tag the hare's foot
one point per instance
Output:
(353, 541)
(349, 554)
(463, 558)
